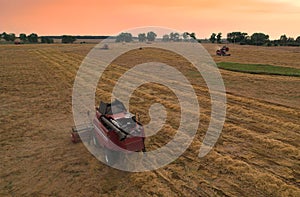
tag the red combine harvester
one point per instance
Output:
(223, 51)
(114, 129)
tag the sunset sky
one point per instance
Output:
(108, 17)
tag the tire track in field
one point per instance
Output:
(53, 75)
(65, 67)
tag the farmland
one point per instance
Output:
(257, 154)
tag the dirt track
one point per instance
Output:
(257, 155)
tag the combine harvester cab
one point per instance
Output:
(114, 129)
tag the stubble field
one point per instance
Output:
(257, 154)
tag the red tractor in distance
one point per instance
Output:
(114, 129)
(223, 51)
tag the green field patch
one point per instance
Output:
(259, 69)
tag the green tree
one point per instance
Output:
(124, 37)
(213, 38)
(192, 36)
(166, 38)
(68, 39)
(33, 38)
(12, 37)
(2, 35)
(219, 36)
(185, 36)
(259, 39)
(8, 37)
(283, 40)
(174, 36)
(46, 39)
(298, 39)
(151, 36)
(237, 37)
(23, 37)
(142, 37)
(291, 42)
(247, 40)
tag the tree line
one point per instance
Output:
(142, 37)
(34, 38)
(151, 36)
(241, 38)
(258, 39)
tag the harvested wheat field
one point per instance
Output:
(257, 154)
